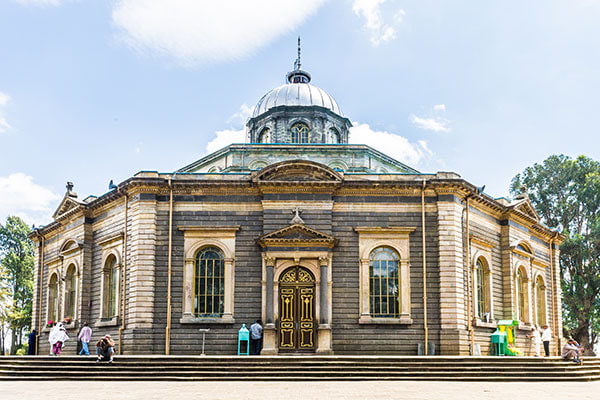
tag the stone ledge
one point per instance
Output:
(366, 320)
(207, 320)
(114, 321)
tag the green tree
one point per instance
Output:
(566, 193)
(16, 273)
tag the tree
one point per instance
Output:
(16, 273)
(566, 193)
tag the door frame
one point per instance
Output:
(297, 290)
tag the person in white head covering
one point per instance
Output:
(58, 335)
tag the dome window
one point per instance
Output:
(300, 133)
(265, 136)
(334, 136)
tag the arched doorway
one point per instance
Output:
(297, 331)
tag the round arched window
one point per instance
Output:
(384, 296)
(300, 133)
(209, 283)
(334, 136)
(265, 136)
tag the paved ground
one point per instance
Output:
(372, 390)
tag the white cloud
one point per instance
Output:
(4, 98)
(20, 196)
(198, 32)
(225, 138)
(239, 118)
(431, 124)
(4, 125)
(380, 30)
(434, 122)
(54, 3)
(391, 144)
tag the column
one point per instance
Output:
(324, 337)
(269, 330)
(324, 301)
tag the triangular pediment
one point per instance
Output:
(296, 234)
(524, 206)
(67, 204)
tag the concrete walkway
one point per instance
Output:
(371, 390)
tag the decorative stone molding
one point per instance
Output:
(397, 238)
(195, 239)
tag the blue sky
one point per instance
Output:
(94, 90)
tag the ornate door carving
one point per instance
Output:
(297, 331)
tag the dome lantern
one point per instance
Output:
(294, 107)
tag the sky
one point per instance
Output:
(97, 90)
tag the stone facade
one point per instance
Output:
(290, 234)
(235, 212)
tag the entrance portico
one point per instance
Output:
(296, 273)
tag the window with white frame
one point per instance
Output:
(208, 274)
(110, 279)
(522, 295)
(70, 291)
(384, 275)
(53, 311)
(540, 295)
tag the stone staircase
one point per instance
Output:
(295, 368)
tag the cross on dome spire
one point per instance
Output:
(298, 75)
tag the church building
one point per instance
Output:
(336, 247)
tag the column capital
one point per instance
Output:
(269, 261)
(323, 261)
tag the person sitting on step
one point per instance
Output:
(571, 351)
(105, 349)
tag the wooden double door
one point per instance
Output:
(297, 328)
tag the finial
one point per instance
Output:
(297, 219)
(298, 75)
(299, 64)
(70, 191)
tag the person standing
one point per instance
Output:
(31, 349)
(546, 337)
(256, 331)
(536, 338)
(58, 336)
(85, 335)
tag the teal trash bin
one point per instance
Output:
(243, 341)
(498, 343)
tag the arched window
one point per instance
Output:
(53, 298)
(265, 136)
(384, 298)
(334, 136)
(70, 291)
(300, 133)
(110, 282)
(482, 289)
(209, 283)
(521, 286)
(540, 295)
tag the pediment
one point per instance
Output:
(524, 206)
(297, 171)
(67, 204)
(295, 235)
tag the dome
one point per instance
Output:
(296, 94)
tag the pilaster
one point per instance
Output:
(454, 335)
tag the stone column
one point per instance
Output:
(324, 330)
(269, 331)
(324, 298)
(454, 339)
